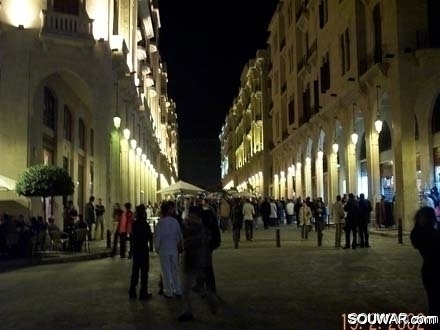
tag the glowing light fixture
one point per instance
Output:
(133, 144)
(126, 133)
(378, 123)
(354, 136)
(139, 151)
(144, 158)
(320, 154)
(117, 121)
(335, 147)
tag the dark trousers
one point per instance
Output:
(319, 228)
(363, 234)
(266, 221)
(137, 268)
(206, 278)
(249, 229)
(350, 229)
(123, 245)
(115, 243)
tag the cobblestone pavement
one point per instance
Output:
(296, 286)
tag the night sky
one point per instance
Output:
(206, 45)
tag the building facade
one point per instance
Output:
(244, 144)
(83, 87)
(356, 106)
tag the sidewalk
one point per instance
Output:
(98, 250)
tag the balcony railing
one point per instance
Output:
(370, 60)
(80, 27)
(301, 63)
(312, 49)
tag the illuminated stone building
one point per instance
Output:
(356, 106)
(243, 139)
(353, 105)
(68, 68)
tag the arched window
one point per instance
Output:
(363, 148)
(67, 124)
(324, 164)
(50, 109)
(81, 134)
(436, 116)
(385, 140)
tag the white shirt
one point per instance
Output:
(273, 210)
(290, 208)
(166, 236)
(248, 211)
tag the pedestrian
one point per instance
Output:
(99, 210)
(141, 236)
(265, 209)
(425, 236)
(351, 221)
(125, 229)
(364, 219)
(338, 219)
(248, 217)
(320, 216)
(305, 216)
(90, 216)
(117, 214)
(196, 256)
(167, 238)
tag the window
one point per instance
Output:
(290, 57)
(316, 96)
(323, 13)
(67, 124)
(66, 6)
(325, 74)
(50, 109)
(115, 17)
(377, 26)
(291, 110)
(81, 134)
(344, 41)
(92, 142)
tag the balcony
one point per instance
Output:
(282, 44)
(312, 51)
(283, 87)
(301, 64)
(67, 28)
(372, 66)
(302, 16)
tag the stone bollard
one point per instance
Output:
(399, 231)
(278, 238)
(109, 239)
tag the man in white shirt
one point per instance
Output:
(290, 211)
(167, 237)
(248, 217)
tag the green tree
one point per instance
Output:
(45, 181)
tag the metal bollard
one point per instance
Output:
(278, 239)
(109, 239)
(399, 231)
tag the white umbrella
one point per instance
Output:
(181, 187)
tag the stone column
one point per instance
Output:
(125, 197)
(131, 175)
(333, 177)
(276, 186)
(308, 177)
(298, 181)
(351, 167)
(319, 175)
(373, 166)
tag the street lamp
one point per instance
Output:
(354, 136)
(378, 123)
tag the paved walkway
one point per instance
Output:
(296, 286)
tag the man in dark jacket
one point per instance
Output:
(265, 212)
(141, 236)
(351, 221)
(364, 219)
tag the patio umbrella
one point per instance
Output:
(181, 187)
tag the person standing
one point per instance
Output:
(290, 211)
(117, 214)
(305, 215)
(196, 256)
(265, 210)
(90, 216)
(425, 237)
(364, 219)
(99, 210)
(338, 219)
(167, 237)
(248, 217)
(125, 230)
(320, 216)
(141, 236)
(237, 220)
(351, 221)
(225, 214)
